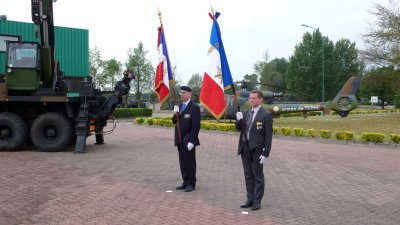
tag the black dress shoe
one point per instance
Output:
(256, 206)
(247, 204)
(189, 188)
(183, 186)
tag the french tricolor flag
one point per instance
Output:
(163, 72)
(217, 77)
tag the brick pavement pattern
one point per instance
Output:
(131, 180)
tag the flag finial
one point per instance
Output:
(212, 9)
(159, 15)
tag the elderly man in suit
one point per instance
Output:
(187, 120)
(254, 147)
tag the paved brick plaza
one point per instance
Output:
(126, 181)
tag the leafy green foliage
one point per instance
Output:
(299, 132)
(111, 73)
(325, 134)
(311, 132)
(395, 138)
(315, 56)
(285, 131)
(95, 64)
(132, 112)
(382, 40)
(372, 137)
(139, 120)
(344, 135)
(143, 69)
(383, 82)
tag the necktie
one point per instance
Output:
(183, 107)
(249, 121)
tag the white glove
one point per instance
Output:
(176, 109)
(190, 146)
(239, 115)
(262, 159)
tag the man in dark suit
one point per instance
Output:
(188, 122)
(254, 147)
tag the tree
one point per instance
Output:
(111, 71)
(143, 69)
(95, 64)
(317, 56)
(195, 83)
(272, 73)
(383, 40)
(345, 64)
(305, 66)
(249, 82)
(382, 82)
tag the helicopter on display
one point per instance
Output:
(344, 102)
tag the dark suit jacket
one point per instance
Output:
(260, 132)
(190, 124)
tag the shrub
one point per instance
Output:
(150, 120)
(395, 138)
(204, 125)
(397, 100)
(311, 132)
(285, 131)
(372, 137)
(325, 134)
(132, 112)
(299, 132)
(139, 120)
(344, 135)
(275, 129)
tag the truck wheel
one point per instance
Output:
(12, 131)
(51, 132)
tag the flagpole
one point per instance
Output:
(173, 83)
(234, 94)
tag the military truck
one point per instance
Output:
(39, 105)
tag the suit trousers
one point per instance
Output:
(253, 174)
(187, 163)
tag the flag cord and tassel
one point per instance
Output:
(173, 86)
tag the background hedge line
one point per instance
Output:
(132, 112)
(286, 131)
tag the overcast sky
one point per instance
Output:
(248, 28)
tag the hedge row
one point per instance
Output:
(286, 131)
(319, 113)
(132, 112)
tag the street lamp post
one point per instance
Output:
(323, 62)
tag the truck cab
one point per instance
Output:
(22, 66)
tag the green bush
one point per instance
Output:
(132, 112)
(275, 129)
(344, 135)
(150, 121)
(139, 120)
(325, 134)
(395, 138)
(204, 125)
(299, 132)
(397, 100)
(372, 137)
(311, 132)
(285, 131)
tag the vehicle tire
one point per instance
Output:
(51, 132)
(12, 131)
